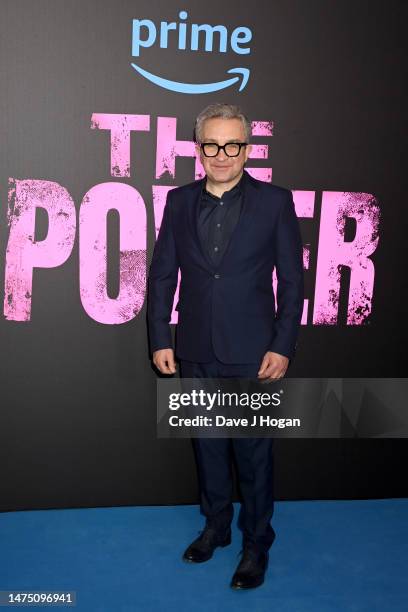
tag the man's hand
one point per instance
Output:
(273, 366)
(163, 359)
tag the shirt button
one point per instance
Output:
(216, 276)
(215, 248)
(218, 224)
(221, 203)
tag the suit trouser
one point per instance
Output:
(254, 459)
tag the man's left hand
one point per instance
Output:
(273, 366)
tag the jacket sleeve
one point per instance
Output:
(162, 283)
(290, 285)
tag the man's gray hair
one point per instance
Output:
(221, 111)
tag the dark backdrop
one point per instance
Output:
(78, 413)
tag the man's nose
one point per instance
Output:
(221, 155)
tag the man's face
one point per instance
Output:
(223, 169)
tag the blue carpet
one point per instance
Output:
(328, 556)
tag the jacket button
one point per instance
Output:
(216, 276)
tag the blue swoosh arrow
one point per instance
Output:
(196, 88)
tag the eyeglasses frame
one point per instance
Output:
(241, 144)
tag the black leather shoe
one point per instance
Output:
(203, 547)
(250, 572)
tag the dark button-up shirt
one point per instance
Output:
(217, 219)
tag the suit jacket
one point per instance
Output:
(228, 309)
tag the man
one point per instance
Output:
(226, 233)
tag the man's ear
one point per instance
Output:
(248, 150)
(197, 148)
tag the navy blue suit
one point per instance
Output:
(228, 309)
(227, 322)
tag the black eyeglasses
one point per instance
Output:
(231, 149)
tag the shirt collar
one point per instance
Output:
(227, 195)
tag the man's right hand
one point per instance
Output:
(163, 359)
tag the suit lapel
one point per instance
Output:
(249, 188)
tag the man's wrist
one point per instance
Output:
(285, 351)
